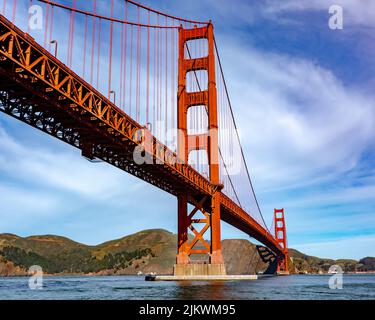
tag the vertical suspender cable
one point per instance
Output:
(121, 64)
(157, 78)
(139, 72)
(4, 7)
(28, 24)
(131, 70)
(98, 54)
(72, 42)
(84, 48)
(160, 35)
(137, 69)
(51, 29)
(14, 11)
(125, 56)
(166, 84)
(173, 106)
(46, 27)
(110, 52)
(71, 35)
(161, 102)
(148, 70)
(138, 75)
(154, 81)
(93, 46)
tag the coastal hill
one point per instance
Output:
(145, 251)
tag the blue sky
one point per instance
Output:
(304, 103)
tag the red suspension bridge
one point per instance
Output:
(144, 91)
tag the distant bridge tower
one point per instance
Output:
(208, 141)
(280, 235)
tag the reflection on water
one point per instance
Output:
(131, 287)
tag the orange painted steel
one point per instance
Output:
(39, 90)
(207, 141)
(234, 215)
(280, 235)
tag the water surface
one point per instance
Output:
(132, 287)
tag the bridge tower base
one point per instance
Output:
(199, 269)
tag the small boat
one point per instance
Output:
(150, 276)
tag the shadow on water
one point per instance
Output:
(200, 290)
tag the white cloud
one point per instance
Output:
(304, 133)
(305, 124)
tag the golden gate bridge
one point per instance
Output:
(144, 91)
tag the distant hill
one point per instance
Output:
(58, 255)
(304, 263)
(146, 251)
(367, 264)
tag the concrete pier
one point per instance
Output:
(200, 272)
(199, 269)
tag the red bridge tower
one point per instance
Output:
(280, 235)
(208, 141)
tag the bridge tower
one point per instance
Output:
(280, 235)
(208, 141)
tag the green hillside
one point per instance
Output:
(146, 251)
(61, 255)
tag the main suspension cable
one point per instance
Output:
(91, 14)
(165, 14)
(238, 137)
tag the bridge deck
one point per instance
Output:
(41, 91)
